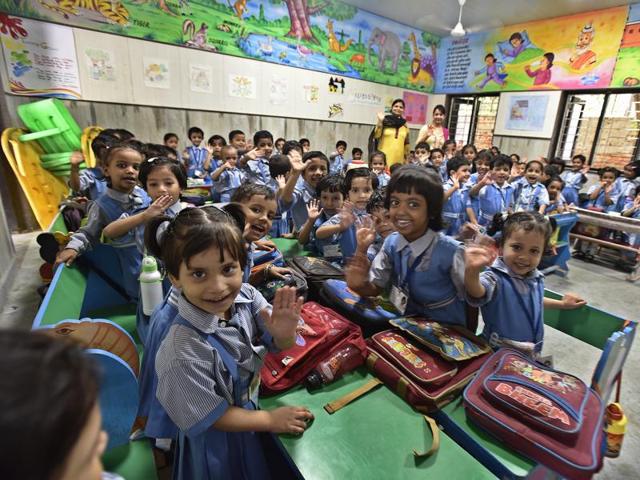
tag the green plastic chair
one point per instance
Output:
(51, 125)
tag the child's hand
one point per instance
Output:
(356, 273)
(314, 210)
(468, 231)
(476, 257)
(209, 148)
(292, 420)
(66, 256)
(365, 233)
(347, 218)
(284, 317)
(608, 187)
(158, 206)
(486, 180)
(279, 272)
(227, 165)
(253, 153)
(514, 170)
(456, 181)
(297, 165)
(76, 159)
(266, 245)
(584, 170)
(572, 301)
(282, 181)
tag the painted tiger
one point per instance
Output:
(112, 10)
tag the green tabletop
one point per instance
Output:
(289, 247)
(372, 437)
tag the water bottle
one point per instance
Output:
(615, 426)
(150, 285)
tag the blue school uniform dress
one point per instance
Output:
(383, 180)
(494, 199)
(573, 182)
(159, 424)
(257, 171)
(474, 202)
(599, 201)
(228, 182)
(512, 307)
(197, 157)
(317, 245)
(454, 211)
(93, 183)
(111, 206)
(347, 239)
(205, 365)
(336, 164)
(555, 205)
(528, 198)
(302, 195)
(627, 188)
(431, 272)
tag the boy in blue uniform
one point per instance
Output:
(337, 162)
(604, 195)
(196, 158)
(574, 179)
(457, 208)
(330, 200)
(497, 196)
(530, 194)
(256, 162)
(227, 177)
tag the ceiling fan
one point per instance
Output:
(458, 30)
(432, 22)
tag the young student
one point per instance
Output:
(370, 237)
(422, 153)
(171, 140)
(255, 162)
(559, 164)
(259, 202)
(158, 425)
(510, 292)
(278, 144)
(496, 151)
(291, 145)
(632, 209)
(548, 172)
(330, 196)
(423, 268)
(359, 185)
(196, 158)
(91, 182)
(305, 143)
(530, 194)
(378, 164)
(604, 195)
(337, 162)
(122, 197)
(469, 152)
(300, 189)
(214, 145)
(209, 363)
(436, 157)
(356, 158)
(227, 177)
(156, 150)
(498, 195)
(449, 148)
(280, 170)
(49, 404)
(479, 179)
(626, 184)
(575, 179)
(557, 202)
(457, 208)
(238, 140)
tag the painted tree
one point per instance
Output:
(261, 16)
(430, 39)
(300, 12)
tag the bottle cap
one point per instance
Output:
(614, 412)
(149, 264)
(314, 381)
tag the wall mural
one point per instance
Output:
(627, 73)
(322, 35)
(563, 53)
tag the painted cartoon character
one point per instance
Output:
(113, 10)
(197, 38)
(389, 47)
(583, 56)
(517, 43)
(494, 70)
(562, 383)
(240, 7)
(542, 75)
(334, 44)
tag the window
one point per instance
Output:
(604, 127)
(472, 119)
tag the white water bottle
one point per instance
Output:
(150, 285)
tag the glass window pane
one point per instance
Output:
(579, 125)
(619, 132)
(486, 121)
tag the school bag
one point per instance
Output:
(268, 289)
(372, 314)
(320, 333)
(426, 363)
(549, 416)
(315, 271)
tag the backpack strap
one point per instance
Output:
(333, 407)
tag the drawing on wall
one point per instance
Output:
(278, 90)
(527, 112)
(563, 53)
(100, 64)
(40, 58)
(201, 78)
(241, 86)
(156, 72)
(626, 73)
(336, 110)
(415, 110)
(336, 85)
(311, 93)
(327, 36)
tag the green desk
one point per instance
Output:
(371, 438)
(289, 247)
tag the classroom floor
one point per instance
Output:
(603, 287)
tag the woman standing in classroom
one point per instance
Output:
(392, 134)
(435, 133)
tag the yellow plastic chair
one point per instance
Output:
(88, 134)
(44, 191)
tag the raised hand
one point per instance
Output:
(486, 180)
(476, 257)
(297, 165)
(356, 273)
(158, 206)
(455, 180)
(284, 316)
(380, 117)
(314, 210)
(365, 232)
(293, 420)
(347, 217)
(584, 170)
(282, 181)
(253, 153)
(76, 158)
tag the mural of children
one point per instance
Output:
(493, 71)
(583, 56)
(517, 42)
(542, 75)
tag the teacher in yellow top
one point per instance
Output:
(392, 133)
(435, 133)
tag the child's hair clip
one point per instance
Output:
(153, 159)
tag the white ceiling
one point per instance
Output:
(439, 16)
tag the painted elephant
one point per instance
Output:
(389, 46)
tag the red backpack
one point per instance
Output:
(321, 332)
